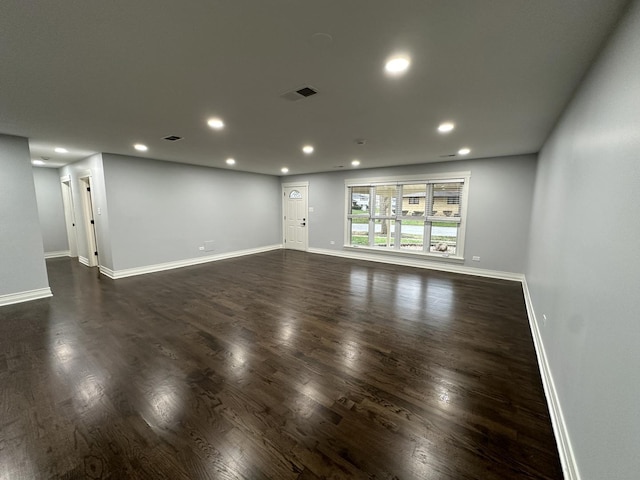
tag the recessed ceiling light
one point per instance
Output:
(284, 170)
(464, 151)
(215, 123)
(446, 127)
(355, 163)
(37, 162)
(61, 150)
(397, 65)
(140, 147)
(231, 161)
(308, 149)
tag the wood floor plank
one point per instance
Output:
(282, 365)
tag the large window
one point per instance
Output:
(423, 215)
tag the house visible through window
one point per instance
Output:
(422, 215)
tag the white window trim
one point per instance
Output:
(365, 182)
(407, 179)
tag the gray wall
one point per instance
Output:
(22, 266)
(162, 211)
(50, 209)
(584, 262)
(500, 194)
(91, 166)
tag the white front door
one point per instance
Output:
(294, 207)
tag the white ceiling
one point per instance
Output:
(99, 76)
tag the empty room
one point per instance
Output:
(319, 240)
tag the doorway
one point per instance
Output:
(86, 196)
(295, 212)
(69, 215)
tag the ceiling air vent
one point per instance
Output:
(306, 91)
(299, 93)
(172, 138)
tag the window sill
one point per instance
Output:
(431, 256)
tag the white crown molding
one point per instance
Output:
(130, 272)
(418, 263)
(560, 430)
(58, 254)
(26, 296)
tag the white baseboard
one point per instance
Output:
(108, 272)
(83, 260)
(25, 296)
(129, 272)
(418, 263)
(61, 253)
(560, 430)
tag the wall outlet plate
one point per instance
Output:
(476, 259)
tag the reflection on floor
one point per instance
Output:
(281, 365)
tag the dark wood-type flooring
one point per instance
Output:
(283, 365)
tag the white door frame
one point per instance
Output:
(284, 209)
(88, 214)
(69, 214)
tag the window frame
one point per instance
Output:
(398, 217)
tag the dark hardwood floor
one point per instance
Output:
(283, 365)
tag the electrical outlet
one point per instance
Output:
(201, 248)
(332, 242)
(544, 319)
(476, 259)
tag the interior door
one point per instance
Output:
(89, 221)
(295, 217)
(69, 216)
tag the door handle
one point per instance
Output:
(303, 224)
